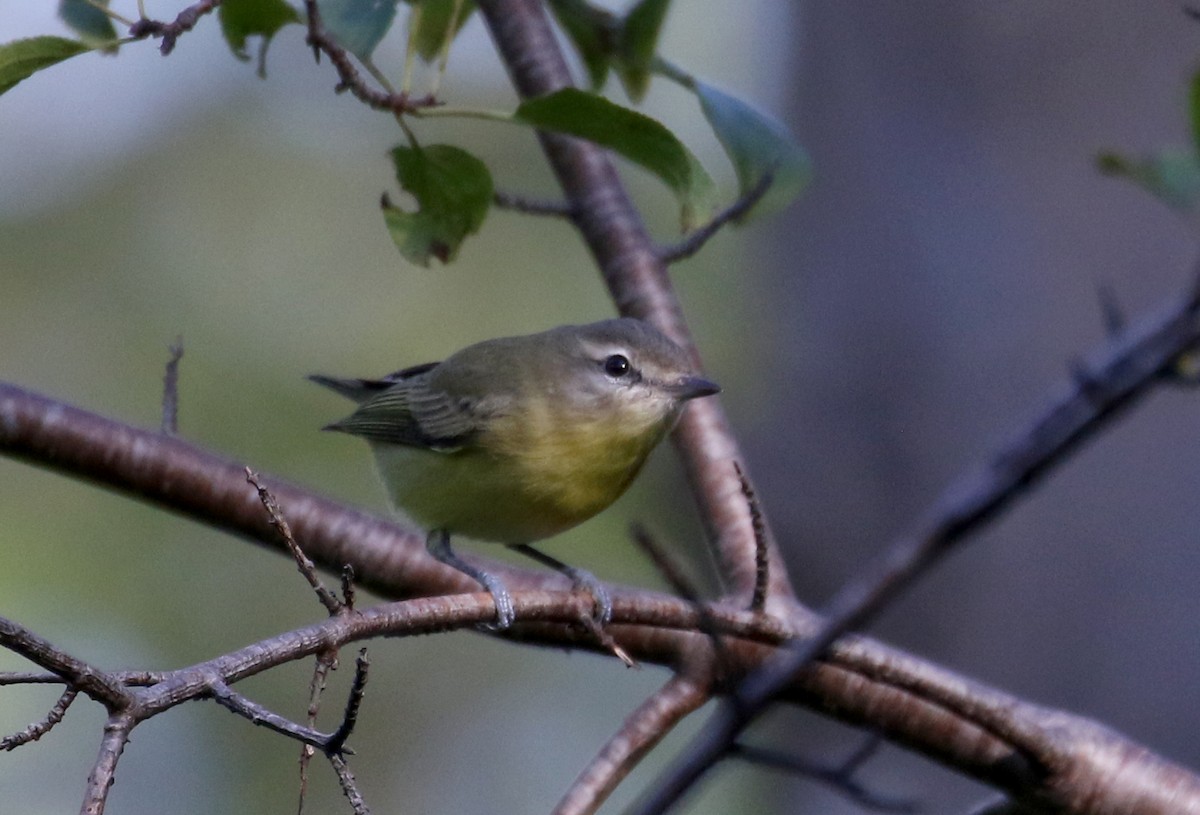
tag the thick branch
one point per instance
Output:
(637, 279)
(1037, 755)
(77, 673)
(936, 712)
(1100, 392)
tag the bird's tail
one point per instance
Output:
(358, 390)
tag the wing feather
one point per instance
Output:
(402, 409)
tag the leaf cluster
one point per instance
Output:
(454, 190)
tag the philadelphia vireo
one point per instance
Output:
(516, 439)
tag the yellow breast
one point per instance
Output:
(524, 479)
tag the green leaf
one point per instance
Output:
(91, 24)
(453, 190)
(433, 25)
(358, 25)
(1172, 177)
(20, 59)
(638, 138)
(757, 145)
(593, 32)
(253, 18)
(638, 45)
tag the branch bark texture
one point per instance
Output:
(637, 279)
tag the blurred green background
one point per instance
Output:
(918, 305)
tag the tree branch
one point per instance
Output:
(637, 279)
(641, 731)
(1033, 753)
(100, 779)
(839, 777)
(1135, 363)
(38, 729)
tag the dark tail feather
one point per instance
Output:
(358, 390)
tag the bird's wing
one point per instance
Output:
(409, 412)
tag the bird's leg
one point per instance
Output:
(581, 579)
(438, 544)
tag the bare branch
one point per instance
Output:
(260, 716)
(696, 241)
(77, 673)
(357, 688)
(38, 729)
(641, 731)
(325, 662)
(170, 32)
(348, 596)
(839, 777)
(943, 715)
(762, 560)
(100, 779)
(29, 678)
(170, 399)
(529, 206)
(1111, 384)
(307, 568)
(936, 712)
(636, 278)
(349, 785)
(670, 571)
(682, 586)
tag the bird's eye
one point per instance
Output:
(617, 365)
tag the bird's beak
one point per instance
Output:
(692, 387)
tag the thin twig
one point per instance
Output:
(307, 568)
(170, 398)
(349, 784)
(762, 559)
(38, 729)
(77, 673)
(349, 77)
(606, 640)
(29, 678)
(353, 702)
(1127, 371)
(325, 662)
(682, 586)
(839, 777)
(694, 242)
(258, 715)
(1000, 805)
(103, 8)
(170, 32)
(679, 582)
(532, 206)
(348, 596)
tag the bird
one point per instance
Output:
(516, 439)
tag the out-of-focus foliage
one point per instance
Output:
(453, 190)
(88, 20)
(636, 137)
(23, 58)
